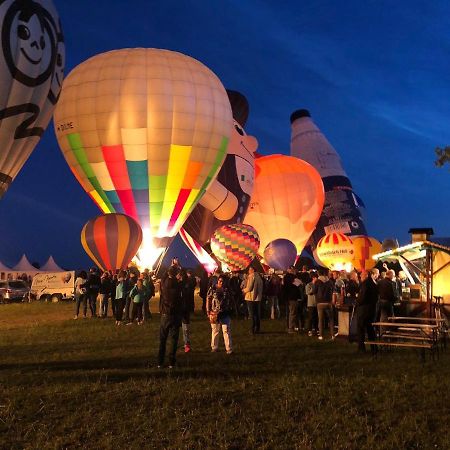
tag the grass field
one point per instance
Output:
(89, 384)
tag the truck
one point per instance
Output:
(53, 286)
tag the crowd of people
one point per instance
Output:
(306, 299)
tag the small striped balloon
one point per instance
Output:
(335, 251)
(236, 245)
(111, 240)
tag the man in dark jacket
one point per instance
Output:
(365, 311)
(171, 314)
(93, 288)
(324, 301)
(290, 292)
(387, 296)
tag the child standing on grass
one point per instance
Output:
(138, 295)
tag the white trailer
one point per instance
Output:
(54, 286)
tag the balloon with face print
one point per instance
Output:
(227, 199)
(31, 74)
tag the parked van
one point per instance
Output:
(54, 286)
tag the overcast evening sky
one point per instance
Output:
(373, 74)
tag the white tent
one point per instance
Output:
(24, 266)
(51, 266)
(3, 268)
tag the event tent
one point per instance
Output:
(24, 266)
(51, 266)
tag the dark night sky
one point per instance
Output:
(374, 75)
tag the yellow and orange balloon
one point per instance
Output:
(364, 248)
(336, 251)
(287, 200)
(145, 132)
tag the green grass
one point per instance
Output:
(89, 384)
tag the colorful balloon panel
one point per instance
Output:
(280, 254)
(336, 251)
(287, 200)
(31, 74)
(364, 248)
(199, 252)
(145, 131)
(236, 245)
(111, 240)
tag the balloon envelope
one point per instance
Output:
(111, 240)
(280, 254)
(364, 248)
(236, 245)
(287, 200)
(31, 73)
(145, 132)
(335, 251)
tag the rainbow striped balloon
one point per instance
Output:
(111, 240)
(145, 132)
(236, 245)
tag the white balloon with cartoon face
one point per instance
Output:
(31, 39)
(243, 147)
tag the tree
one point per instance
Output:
(443, 156)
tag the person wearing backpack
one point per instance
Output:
(218, 308)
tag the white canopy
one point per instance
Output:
(3, 268)
(51, 266)
(24, 266)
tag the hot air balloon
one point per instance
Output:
(198, 251)
(280, 254)
(145, 132)
(31, 74)
(111, 240)
(335, 251)
(227, 199)
(235, 245)
(287, 200)
(343, 210)
(364, 248)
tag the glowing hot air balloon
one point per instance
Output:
(280, 254)
(31, 74)
(287, 200)
(364, 248)
(111, 240)
(236, 245)
(145, 131)
(199, 252)
(335, 251)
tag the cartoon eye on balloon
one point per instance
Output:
(287, 200)
(31, 40)
(111, 240)
(145, 132)
(235, 245)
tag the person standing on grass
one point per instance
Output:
(324, 300)
(93, 288)
(104, 294)
(132, 278)
(81, 294)
(171, 314)
(365, 310)
(138, 295)
(253, 292)
(120, 295)
(273, 292)
(290, 295)
(150, 287)
(189, 284)
(387, 295)
(218, 308)
(310, 291)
